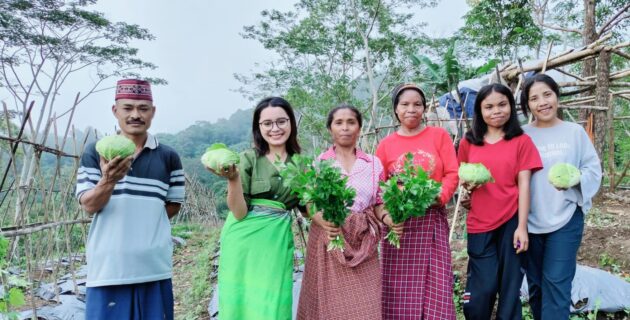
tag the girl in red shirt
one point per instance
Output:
(497, 217)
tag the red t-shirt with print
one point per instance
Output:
(432, 149)
(493, 204)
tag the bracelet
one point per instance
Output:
(383, 218)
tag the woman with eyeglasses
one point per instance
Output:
(417, 278)
(256, 263)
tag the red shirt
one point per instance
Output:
(495, 203)
(432, 149)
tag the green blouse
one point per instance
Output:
(261, 180)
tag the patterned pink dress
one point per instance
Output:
(347, 285)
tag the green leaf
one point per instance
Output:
(323, 188)
(418, 192)
(487, 67)
(16, 298)
(430, 66)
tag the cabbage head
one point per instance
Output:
(117, 145)
(564, 175)
(218, 157)
(474, 173)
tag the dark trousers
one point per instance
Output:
(493, 267)
(140, 301)
(551, 261)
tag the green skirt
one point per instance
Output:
(256, 264)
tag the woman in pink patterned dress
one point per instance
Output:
(346, 285)
(417, 278)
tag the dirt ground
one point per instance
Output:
(605, 243)
(606, 239)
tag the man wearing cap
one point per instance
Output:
(129, 248)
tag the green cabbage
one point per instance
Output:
(218, 157)
(564, 175)
(111, 146)
(475, 173)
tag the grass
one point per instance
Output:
(195, 270)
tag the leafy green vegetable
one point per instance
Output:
(408, 194)
(474, 173)
(4, 247)
(118, 145)
(12, 298)
(218, 157)
(16, 297)
(564, 175)
(322, 187)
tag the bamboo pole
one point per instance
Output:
(563, 106)
(569, 74)
(589, 52)
(544, 67)
(460, 194)
(613, 76)
(611, 144)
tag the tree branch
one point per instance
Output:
(615, 23)
(40, 227)
(542, 24)
(378, 8)
(609, 23)
(621, 53)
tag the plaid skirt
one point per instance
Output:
(344, 285)
(418, 278)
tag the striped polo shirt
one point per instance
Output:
(130, 238)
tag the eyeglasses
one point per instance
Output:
(280, 123)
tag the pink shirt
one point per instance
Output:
(366, 173)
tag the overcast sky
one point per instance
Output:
(198, 49)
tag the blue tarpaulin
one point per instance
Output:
(454, 108)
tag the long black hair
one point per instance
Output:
(529, 82)
(260, 145)
(331, 114)
(512, 127)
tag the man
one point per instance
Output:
(129, 248)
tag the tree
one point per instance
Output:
(193, 141)
(333, 51)
(8, 129)
(43, 43)
(587, 20)
(583, 21)
(502, 26)
(443, 76)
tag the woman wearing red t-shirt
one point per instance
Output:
(497, 217)
(417, 278)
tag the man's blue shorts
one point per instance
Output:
(139, 301)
